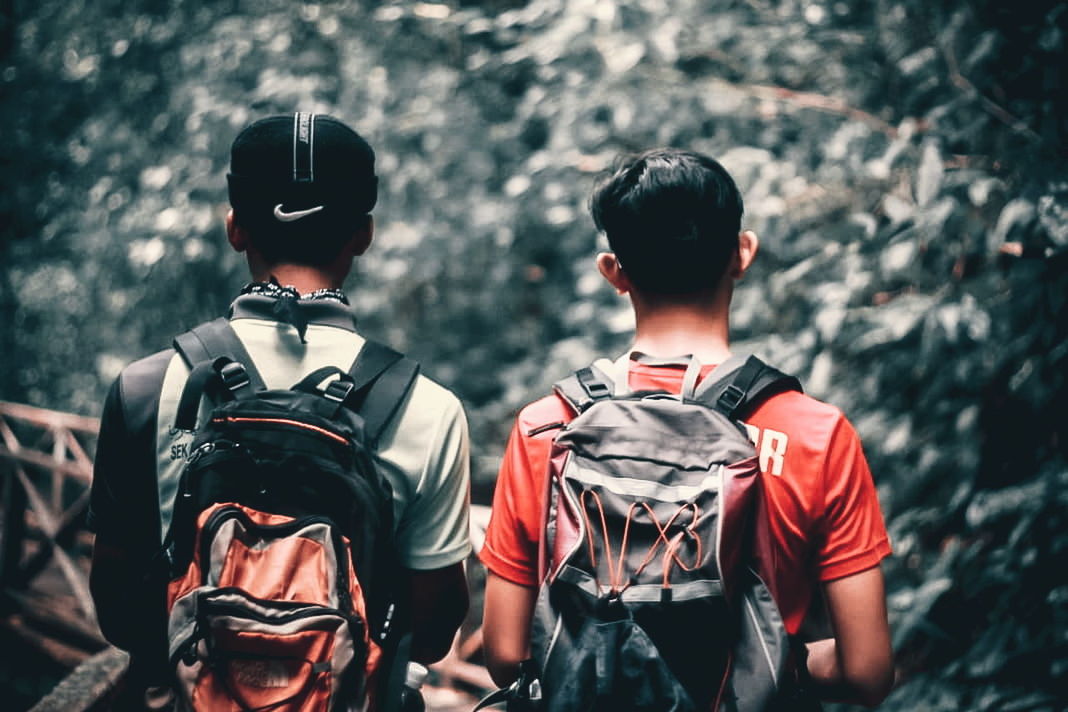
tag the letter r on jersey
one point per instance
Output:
(771, 446)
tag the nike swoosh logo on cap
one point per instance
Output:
(296, 214)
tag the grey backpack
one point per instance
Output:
(649, 602)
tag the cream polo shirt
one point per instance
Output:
(424, 452)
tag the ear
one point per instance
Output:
(361, 238)
(748, 246)
(609, 267)
(236, 234)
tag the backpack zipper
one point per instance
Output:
(544, 428)
(239, 611)
(207, 606)
(221, 515)
(282, 421)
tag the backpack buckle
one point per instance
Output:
(234, 376)
(339, 390)
(595, 388)
(730, 399)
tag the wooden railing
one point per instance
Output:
(46, 469)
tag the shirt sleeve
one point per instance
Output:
(105, 505)
(854, 536)
(511, 547)
(435, 531)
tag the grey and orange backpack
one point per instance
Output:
(649, 600)
(281, 592)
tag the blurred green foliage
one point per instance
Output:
(904, 162)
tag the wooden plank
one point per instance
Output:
(66, 655)
(50, 418)
(11, 442)
(56, 617)
(77, 451)
(13, 526)
(69, 526)
(79, 586)
(59, 456)
(46, 518)
(91, 683)
(37, 459)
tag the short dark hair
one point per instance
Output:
(672, 217)
(301, 185)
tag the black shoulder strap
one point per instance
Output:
(385, 376)
(584, 387)
(738, 392)
(209, 341)
(221, 379)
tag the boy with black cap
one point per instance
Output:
(301, 189)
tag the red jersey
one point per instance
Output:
(822, 507)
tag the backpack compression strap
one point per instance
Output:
(744, 387)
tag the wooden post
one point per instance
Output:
(59, 454)
(13, 524)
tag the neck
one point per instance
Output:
(701, 329)
(304, 278)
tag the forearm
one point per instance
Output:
(432, 638)
(130, 610)
(829, 681)
(439, 602)
(506, 627)
(825, 672)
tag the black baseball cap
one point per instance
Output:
(301, 172)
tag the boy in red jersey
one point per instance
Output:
(673, 221)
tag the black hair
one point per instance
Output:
(672, 218)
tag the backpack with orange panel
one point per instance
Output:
(280, 550)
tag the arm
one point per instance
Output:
(857, 664)
(510, 552)
(129, 606)
(122, 600)
(439, 604)
(433, 537)
(506, 627)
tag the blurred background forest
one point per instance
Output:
(903, 160)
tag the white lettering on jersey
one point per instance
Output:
(771, 446)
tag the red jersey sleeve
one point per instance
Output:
(853, 533)
(511, 546)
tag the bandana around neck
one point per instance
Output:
(277, 291)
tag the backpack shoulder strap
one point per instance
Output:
(219, 366)
(382, 377)
(584, 387)
(737, 386)
(209, 341)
